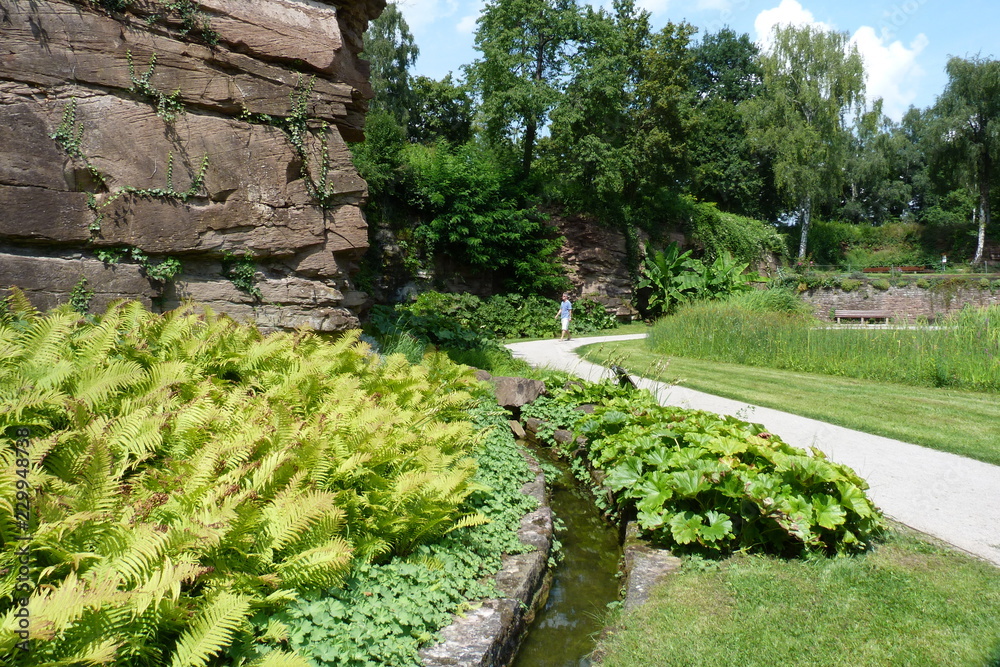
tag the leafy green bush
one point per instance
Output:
(717, 484)
(862, 246)
(746, 239)
(923, 283)
(670, 278)
(185, 473)
(499, 316)
(880, 284)
(849, 284)
(464, 198)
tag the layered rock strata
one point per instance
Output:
(210, 133)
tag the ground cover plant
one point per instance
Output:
(908, 602)
(386, 611)
(949, 420)
(182, 477)
(962, 353)
(716, 484)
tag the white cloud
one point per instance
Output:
(467, 24)
(891, 69)
(652, 6)
(421, 13)
(789, 12)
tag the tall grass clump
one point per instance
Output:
(759, 329)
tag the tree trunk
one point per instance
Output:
(530, 131)
(984, 203)
(805, 216)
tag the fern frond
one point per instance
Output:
(94, 384)
(469, 520)
(46, 342)
(321, 567)
(53, 609)
(292, 513)
(281, 659)
(18, 303)
(212, 631)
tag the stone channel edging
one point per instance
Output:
(489, 635)
(643, 565)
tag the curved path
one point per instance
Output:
(951, 497)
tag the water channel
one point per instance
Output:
(585, 581)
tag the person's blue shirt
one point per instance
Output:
(564, 309)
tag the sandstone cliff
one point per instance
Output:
(210, 133)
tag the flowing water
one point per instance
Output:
(565, 630)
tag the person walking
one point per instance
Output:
(565, 314)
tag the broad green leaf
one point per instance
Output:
(719, 526)
(685, 527)
(854, 499)
(688, 483)
(626, 475)
(829, 513)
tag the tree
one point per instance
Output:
(441, 110)
(619, 134)
(812, 79)
(881, 166)
(389, 47)
(970, 110)
(525, 44)
(727, 169)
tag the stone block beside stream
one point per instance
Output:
(490, 634)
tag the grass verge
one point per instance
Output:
(909, 602)
(961, 422)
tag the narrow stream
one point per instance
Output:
(564, 631)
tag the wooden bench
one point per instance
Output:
(862, 315)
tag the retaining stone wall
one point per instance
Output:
(907, 302)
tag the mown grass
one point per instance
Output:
(961, 422)
(909, 602)
(962, 354)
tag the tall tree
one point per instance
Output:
(727, 169)
(524, 46)
(812, 80)
(880, 169)
(389, 47)
(970, 109)
(441, 110)
(619, 134)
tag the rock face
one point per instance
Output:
(206, 135)
(596, 260)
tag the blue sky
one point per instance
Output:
(905, 43)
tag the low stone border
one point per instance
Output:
(645, 566)
(490, 634)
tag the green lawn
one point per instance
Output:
(908, 603)
(961, 422)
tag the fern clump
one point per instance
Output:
(183, 473)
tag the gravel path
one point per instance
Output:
(951, 497)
